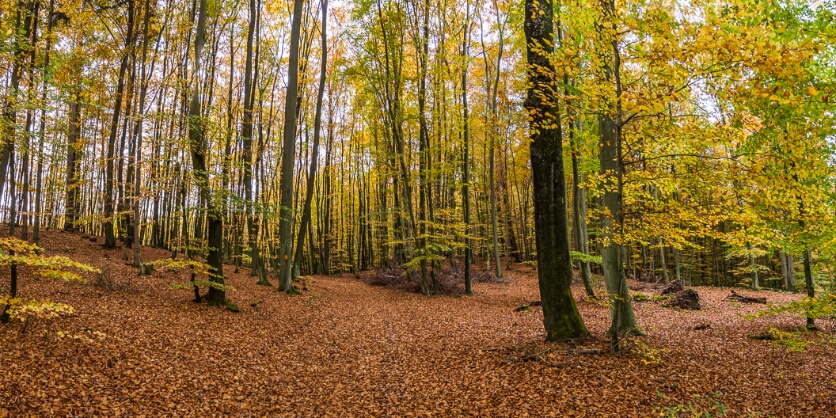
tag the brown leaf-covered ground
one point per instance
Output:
(345, 348)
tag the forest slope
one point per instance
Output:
(344, 348)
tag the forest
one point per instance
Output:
(418, 208)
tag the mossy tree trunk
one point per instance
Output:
(561, 317)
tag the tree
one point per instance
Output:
(309, 190)
(214, 216)
(612, 222)
(554, 267)
(468, 250)
(109, 193)
(288, 154)
(247, 156)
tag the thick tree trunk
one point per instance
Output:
(4, 316)
(554, 266)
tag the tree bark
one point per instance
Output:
(612, 221)
(214, 216)
(288, 153)
(468, 250)
(23, 23)
(137, 200)
(257, 263)
(107, 225)
(809, 283)
(306, 210)
(561, 317)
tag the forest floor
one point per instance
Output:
(345, 348)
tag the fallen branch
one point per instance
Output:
(737, 297)
(588, 351)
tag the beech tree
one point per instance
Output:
(554, 272)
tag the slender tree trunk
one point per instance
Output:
(753, 266)
(110, 237)
(492, 116)
(247, 156)
(137, 203)
(809, 283)
(42, 127)
(288, 153)
(23, 23)
(578, 194)
(554, 266)
(306, 211)
(677, 264)
(662, 262)
(4, 317)
(612, 224)
(468, 249)
(197, 144)
(74, 147)
(579, 221)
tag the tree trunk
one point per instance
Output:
(468, 250)
(23, 23)
(257, 263)
(561, 317)
(623, 318)
(39, 183)
(677, 264)
(809, 283)
(612, 225)
(306, 211)
(491, 89)
(137, 200)
(107, 225)
(214, 215)
(662, 262)
(787, 268)
(753, 267)
(288, 153)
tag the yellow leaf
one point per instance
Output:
(812, 91)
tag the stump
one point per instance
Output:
(673, 288)
(687, 299)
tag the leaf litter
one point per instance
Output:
(347, 348)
